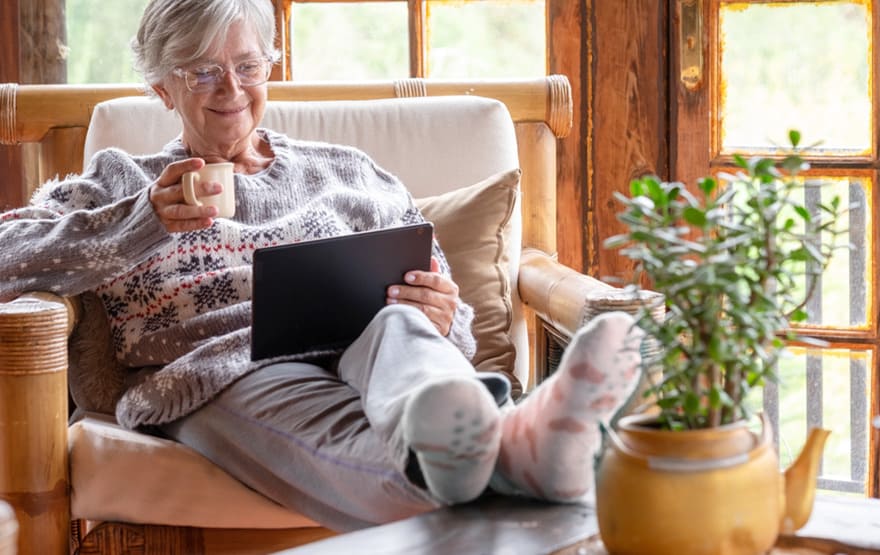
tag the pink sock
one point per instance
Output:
(549, 440)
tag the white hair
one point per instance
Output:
(173, 33)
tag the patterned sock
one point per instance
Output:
(453, 428)
(549, 440)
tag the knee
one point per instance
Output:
(404, 316)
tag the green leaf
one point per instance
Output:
(691, 403)
(799, 255)
(636, 188)
(761, 166)
(799, 315)
(655, 192)
(794, 164)
(707, 185)
(694, 216)
(794, 136)
(803, 213)
(616, 241)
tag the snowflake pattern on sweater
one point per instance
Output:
(179, 304)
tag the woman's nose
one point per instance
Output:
(228, 82)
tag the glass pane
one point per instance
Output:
(844, 294)
(489, 39)
(828, 388)
(798, 66)
(98, 35)
(349, 41)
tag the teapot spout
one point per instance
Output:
(800, 482)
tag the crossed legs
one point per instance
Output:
(543, 447)
(337, 445)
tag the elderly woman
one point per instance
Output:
(398, 423)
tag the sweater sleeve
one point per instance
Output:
(80, 231)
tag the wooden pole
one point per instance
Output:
(11, 184)
(33, 423)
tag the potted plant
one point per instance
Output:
(734, 264)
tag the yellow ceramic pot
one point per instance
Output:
(698, 492)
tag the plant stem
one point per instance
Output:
(714, 413)
(734, 391)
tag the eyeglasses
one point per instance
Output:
(204, 79)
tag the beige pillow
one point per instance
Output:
(472, 225)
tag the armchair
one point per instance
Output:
(480, 158)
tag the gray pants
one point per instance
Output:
(328, 443)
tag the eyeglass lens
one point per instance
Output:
(249, 73)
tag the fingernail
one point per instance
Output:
(410, 278)
(394, 291)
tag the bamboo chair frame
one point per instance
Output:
(53, 119)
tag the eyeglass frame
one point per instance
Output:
(186, 73)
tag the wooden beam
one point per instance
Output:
(38, 108)
(566, 51)
(43, 38)
(628, 42)
(416, 23)
(283, 11)
(11, 187)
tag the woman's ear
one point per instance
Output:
(163, 94)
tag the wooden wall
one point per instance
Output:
(10, 156)
(32, 50)
(615, 54)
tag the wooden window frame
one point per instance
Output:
(695, 151)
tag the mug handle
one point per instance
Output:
(188, 183)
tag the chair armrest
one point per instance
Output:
(72, 304)
(33, 421)
(558, 294)
(567, 299)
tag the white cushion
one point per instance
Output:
(125, 476)
(433, 144)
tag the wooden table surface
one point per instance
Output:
(506, 526)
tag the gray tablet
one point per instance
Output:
(320, 295)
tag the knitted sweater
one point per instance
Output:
(179, 303)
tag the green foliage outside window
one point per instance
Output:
(98, 36)
(341, 41)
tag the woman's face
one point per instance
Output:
(220, 123)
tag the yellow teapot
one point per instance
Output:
(714, 491)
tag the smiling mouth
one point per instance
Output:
(228, 111)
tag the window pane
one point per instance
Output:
(829, 388)
(489, 39)
(798, 66)
(844, 297)
(349, 41)
(98, 35)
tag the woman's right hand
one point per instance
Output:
(166, 196)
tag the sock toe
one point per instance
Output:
(453, 427)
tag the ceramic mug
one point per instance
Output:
(221, 173)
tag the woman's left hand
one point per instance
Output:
(431, 292)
